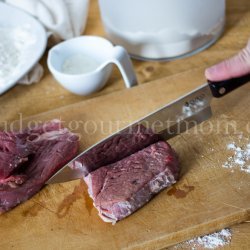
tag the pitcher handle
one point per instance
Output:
(121, 58)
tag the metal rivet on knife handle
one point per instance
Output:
(222, 88)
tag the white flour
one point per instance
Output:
(79, 64)
(210, 241)
(14, 43)
(240, 158)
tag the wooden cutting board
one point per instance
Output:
(208, 197)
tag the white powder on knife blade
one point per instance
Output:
(240, 158)
(14, 45)
(210, 241)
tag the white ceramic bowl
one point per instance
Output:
(13, 18)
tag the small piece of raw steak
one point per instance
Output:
(121, 188)
(119, 146)
(29, 158)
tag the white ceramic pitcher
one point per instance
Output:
(102, 51)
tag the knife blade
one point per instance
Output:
(168, 121)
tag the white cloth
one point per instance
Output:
(63, 19)
(34, 76)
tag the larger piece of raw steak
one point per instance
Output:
(29, 158)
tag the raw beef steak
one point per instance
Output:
(122, 187)
(121, 145)
(13, 153)
(29, 158)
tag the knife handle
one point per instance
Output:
(222, 88)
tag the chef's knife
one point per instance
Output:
(169, 121)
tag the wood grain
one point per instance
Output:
(47, 94)
(61, 215)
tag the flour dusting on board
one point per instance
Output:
(240, 158)
(210, 241)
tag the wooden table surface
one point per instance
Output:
(47, 94)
